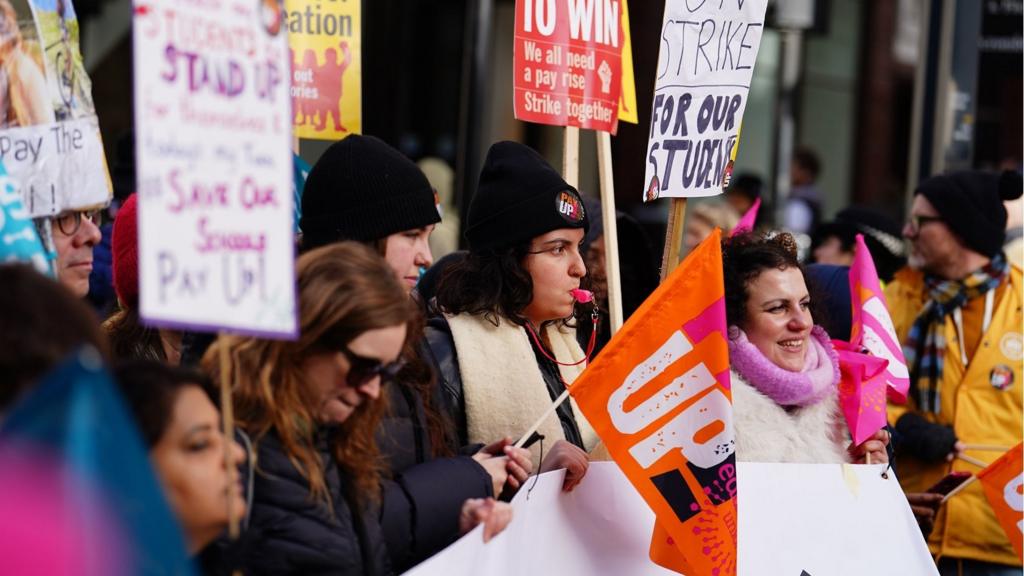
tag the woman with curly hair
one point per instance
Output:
(784, 370)
(312, 408)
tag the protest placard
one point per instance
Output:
(325, 46)
(705, 65)
(568, 63)
(49, 134)
(212, 115)
(795, 518)
(627, 100)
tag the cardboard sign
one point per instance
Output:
(707, 56)
(1003, 481)
(325, 45)
(627, 100)
(49, 133)
(795, 518)
(568, 63)
(659, 397)
(216, 241)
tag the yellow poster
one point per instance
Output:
(627, 100)
(325, 40)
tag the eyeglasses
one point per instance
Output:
(917, 220)
(362, 369)
(70, 222)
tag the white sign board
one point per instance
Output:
(213, 143)
(49, 134)
(793, 518)
(705, 65)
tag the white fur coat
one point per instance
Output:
(502, 385)
(767, 432)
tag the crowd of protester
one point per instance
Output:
(385, 431)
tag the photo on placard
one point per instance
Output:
(24, 97)
(70, 88)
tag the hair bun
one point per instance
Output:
(787, 241)
(1011, 185)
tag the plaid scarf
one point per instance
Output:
(925, 345)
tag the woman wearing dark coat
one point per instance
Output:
(312, 409)
(361, 189)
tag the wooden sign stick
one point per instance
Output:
(673, 237)
(571, 157)
(228, 418)
(611, 230)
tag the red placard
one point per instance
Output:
(568, 62)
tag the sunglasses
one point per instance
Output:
(362, 369)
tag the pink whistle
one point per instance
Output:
(582, 296)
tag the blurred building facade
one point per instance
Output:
(886, 92)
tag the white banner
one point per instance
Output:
(705, 64)
(213, 121)
(815, 519)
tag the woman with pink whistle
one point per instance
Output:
(504, 339)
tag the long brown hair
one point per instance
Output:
(344, 290)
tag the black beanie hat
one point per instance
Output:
(362, 189)
(971, 204)
(519, 197)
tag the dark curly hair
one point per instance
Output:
(491, 283)
(745, 257)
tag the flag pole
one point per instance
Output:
(536, 425)
(611, 230)
(970, 460)
(986, 448)
(673, 237)
(959, 489)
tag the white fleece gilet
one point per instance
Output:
(502, 385)
(767, 432)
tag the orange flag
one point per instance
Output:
(659, 397)
(1003, 481)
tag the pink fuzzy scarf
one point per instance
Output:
(809, 386)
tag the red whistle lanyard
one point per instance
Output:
(595, 316)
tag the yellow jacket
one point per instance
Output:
(979, 413)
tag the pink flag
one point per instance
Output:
(861, 390)
(746, 223)
(872, 326)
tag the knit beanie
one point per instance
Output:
(519, 197)
(971, 204)
(124, 248)
(362, 189)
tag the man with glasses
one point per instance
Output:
(957, 312)
(72, 234)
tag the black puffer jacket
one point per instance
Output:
(422, 503)
(298, 535)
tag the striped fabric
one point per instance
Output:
(925, 346)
